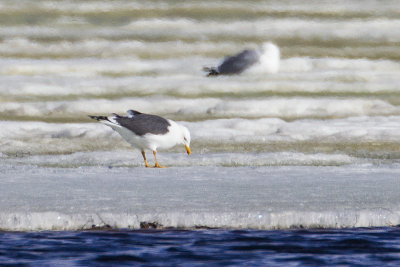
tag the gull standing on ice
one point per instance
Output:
(145, 131)
(264, 59)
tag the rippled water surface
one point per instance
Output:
(353, 247)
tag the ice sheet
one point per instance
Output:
(334, 102)
(186, 197)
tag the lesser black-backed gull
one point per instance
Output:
(148, 132)
(264, 59)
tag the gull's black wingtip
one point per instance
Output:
(98, 118)
(211, 71)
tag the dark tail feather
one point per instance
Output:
(211, 71)
(98, 118)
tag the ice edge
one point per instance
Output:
(39, 221)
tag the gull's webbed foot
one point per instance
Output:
(157, 164)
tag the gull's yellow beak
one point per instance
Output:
(188, 150)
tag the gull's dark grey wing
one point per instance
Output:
(142, 124)
(238, 63)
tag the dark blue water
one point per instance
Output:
(352, 247)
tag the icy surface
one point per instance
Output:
(355, 135)
(187, 197)
(262, 143)
(208, 107)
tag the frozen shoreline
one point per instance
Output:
(190, 197)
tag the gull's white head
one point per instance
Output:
(270, 57)
(185, 138)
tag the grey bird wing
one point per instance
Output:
(238, 63)
(142, 124)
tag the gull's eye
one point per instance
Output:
(184, 138)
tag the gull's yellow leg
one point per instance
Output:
(145, 160)
(155, 157)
